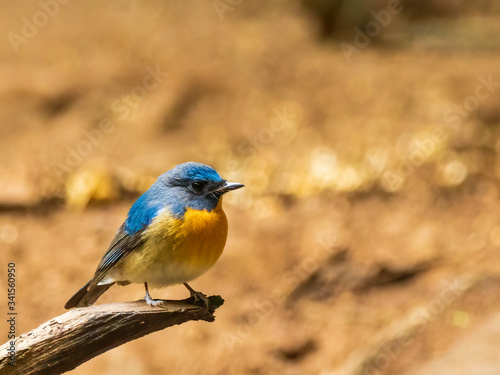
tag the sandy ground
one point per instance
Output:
(367, 238)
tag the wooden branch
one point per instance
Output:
(67, 341)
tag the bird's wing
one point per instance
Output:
(129, 236)
(121, 246)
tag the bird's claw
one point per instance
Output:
(150, 301)
(153, 302)
(198, 296)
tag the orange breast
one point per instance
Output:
(202, 236)
(176, 250)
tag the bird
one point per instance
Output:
(173, 233)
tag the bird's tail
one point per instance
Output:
(85, 297)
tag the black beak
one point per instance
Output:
(228, 186)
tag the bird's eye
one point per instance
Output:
(197, 186)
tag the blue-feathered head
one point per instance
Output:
(196, 185)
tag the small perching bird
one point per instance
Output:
(173, 233)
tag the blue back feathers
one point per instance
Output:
(171, 191)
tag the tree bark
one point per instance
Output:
(67, 341)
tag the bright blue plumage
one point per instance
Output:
(192, 171)
(169, 192)
(144, 210)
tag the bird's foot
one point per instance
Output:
(150, 301)
(153, 302)
(198, 296)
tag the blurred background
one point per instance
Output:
(366, 132)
